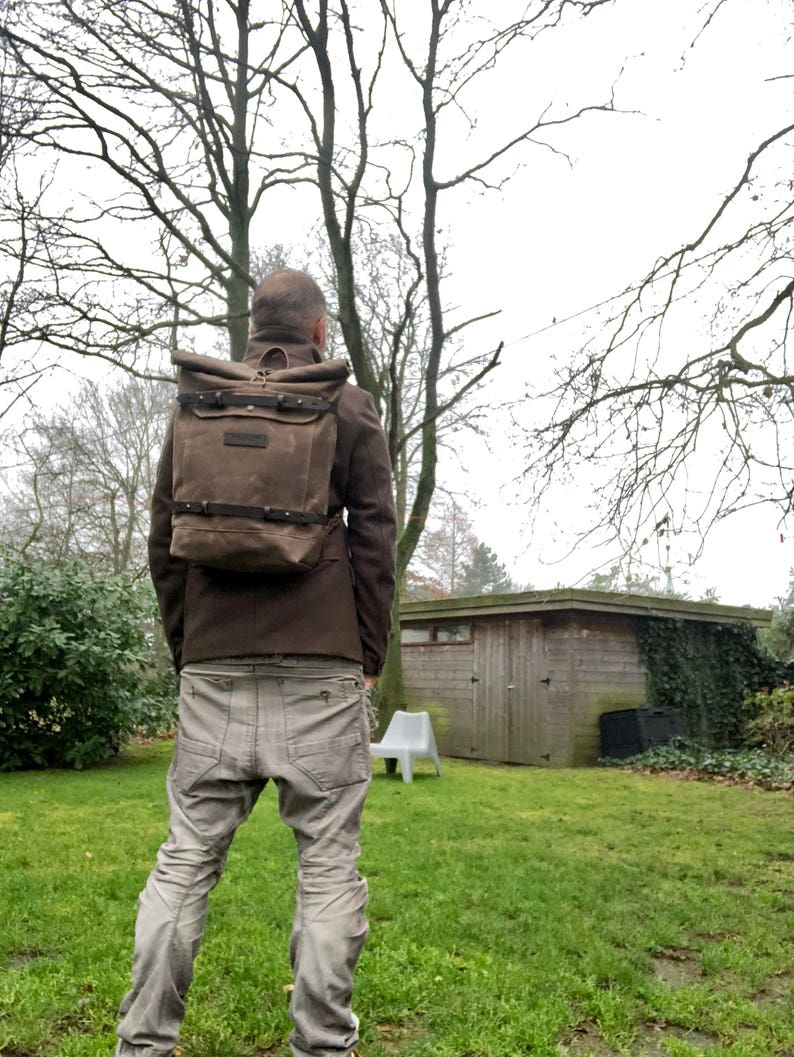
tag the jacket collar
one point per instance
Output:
(299, 349)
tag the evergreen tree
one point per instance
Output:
(451, 562)
(484, 574)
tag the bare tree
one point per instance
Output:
(159, 113)
(174, 109)
(82, 478)
(443, 61)
(440, 560)
(17, 227)
(680, 406)
(397, 344)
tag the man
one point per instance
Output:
(273, 676)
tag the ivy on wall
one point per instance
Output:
(703, 670)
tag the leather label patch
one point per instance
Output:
(245, 440)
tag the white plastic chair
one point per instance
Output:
(409, 737)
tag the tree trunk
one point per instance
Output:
(390, 694)
(237, 306)
(239, 288)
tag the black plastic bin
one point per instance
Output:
(633, 730)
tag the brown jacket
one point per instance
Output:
(340, 608)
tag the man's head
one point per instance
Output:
(290, 299)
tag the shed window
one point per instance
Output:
(453, 632)
(435, 633)
(409, 635)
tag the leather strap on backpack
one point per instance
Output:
(279, 403)
(257, 513)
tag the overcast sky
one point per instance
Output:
(561, 237)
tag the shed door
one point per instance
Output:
(507, 723)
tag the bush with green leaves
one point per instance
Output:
(771, 725)
(157, 710)
(73, 653)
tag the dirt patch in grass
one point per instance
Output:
(393, 1035)
(20, 958)
(776, 989)
(584, 1041)
(677, 967)
(651, 1038)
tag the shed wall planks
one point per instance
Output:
(539, 671)
(527, 690)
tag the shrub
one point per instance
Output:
(772, 724)
(748, 766)
(72, 653)
(157, 709)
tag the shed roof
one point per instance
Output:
(535, 603)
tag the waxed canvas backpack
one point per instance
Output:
(253, 451)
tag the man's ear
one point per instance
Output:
(319, 332)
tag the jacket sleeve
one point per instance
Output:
(371, 534)
(169, 574)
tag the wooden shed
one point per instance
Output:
(523, 678)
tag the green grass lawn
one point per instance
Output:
(513, 911)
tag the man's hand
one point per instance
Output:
(372, 715)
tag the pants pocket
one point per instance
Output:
(204, 705)
(327, 734)
(193, 760)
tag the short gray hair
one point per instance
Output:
(288, 299)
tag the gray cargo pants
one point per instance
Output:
(300, 721)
